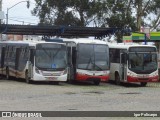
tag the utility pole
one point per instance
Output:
(0, 8)
(28, 5)
(0, 19)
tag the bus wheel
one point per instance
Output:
(117, 79)
(96, 82)
(143, 84)
(27, 78)
(7, 74)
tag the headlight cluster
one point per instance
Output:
(154, 74)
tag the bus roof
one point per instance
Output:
(126, 46)
(84, 40)
(28, 42)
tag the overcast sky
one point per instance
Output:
(19, 14)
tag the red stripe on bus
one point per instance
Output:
(81, 77)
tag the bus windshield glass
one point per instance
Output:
(142, 62)
(51, 57)
(93, 57)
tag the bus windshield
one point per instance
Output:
(50, 57)
(143, 62)
(93, 57)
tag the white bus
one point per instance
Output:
(88, 60)
(133, 63)
(34, 60)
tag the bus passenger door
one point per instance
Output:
(72, 71)
(123, 66)
(71, 51)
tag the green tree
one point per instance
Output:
(67, 12)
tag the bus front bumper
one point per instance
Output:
(84, 77)
(143, 79)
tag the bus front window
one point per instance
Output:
(142, 62)
(51, 59)
(93, 57)
(101, 57)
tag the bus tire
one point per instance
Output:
(7, 74)
(96, 82)
(117, 79)
(143, 84)
(27, 78)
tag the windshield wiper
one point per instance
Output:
(98, 66)
(90, 59)
(95, 65)
(50, 55)
(138, 55)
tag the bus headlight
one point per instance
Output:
(154, 74)
(131, 74)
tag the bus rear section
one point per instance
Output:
(34, 60)
(134, 64)
(90, 62)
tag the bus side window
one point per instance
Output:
(115, 55)
(26, 53)
(6, 52)
(10, 54)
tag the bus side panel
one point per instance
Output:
(113, 70)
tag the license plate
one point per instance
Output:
(51, 78)
(143, 76)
